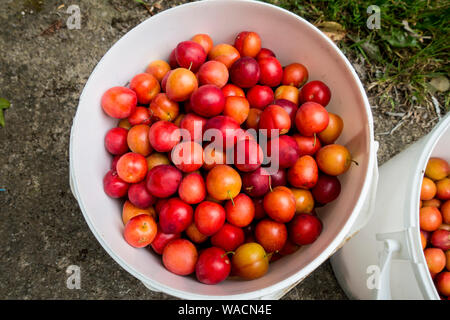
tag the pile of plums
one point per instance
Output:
(435, 222)
(192, 204)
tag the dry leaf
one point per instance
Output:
(440, 83)
(332, 30)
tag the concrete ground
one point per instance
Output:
(43, 68)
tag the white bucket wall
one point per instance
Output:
(294, 40)
(391, 239)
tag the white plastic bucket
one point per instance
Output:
(390, 242)
(293, 39)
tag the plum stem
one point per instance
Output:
(227, 253)
(270, 183)
(190, 66)
(355, 162)
(231, 198)
(315, 140)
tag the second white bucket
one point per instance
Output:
(385, 259)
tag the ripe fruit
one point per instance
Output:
(311, 118)
(225, 53)
(333, 130)
(437, 169)
(213, 157)
(295, 75)
(138, 139)
(163, 180)
(114, 186)
(227, 131)
(187, 156)
(316, 91)
(333, 159)
(428, 189)
(158, 69)
(443, 189)
(430, 218)
(124, 123)
(248, 43)
(248, 155)
(304, 201)
(162, 239)
(271, 71)
(435, 258)
(240, 211)
(229, 237)
(289, 107)
(175, 216)
(162, 108)
(279, 204)
(423, 239)
(195, 235)
(245, 72)
(307, 145)
(271, 235)
(287, 153)
(146, 87)
(250, 261)
(237, 108)
(304, 173)
(443, 283)
(230, 90)
(204, 40)
(141, 115)
(156, 159)
(288, 93)
(213, 72)
(140, 196)
(180, 84)
(116, 141)
(279, 178)
(129, 211)
(194, 125)
(256, 183)
(252, 121)
(264, 52)
(260, 96)
(208, 101)
(209, 217)
(119, 102)
(223, 182)
(190, 55)
(192, 189)
(164, 135)
(140, 231)
(326, 189)
(441, 239)
(213, 266)
(304, 229)
(132, 167)
(445, 210)
(180, 257)
(275, 120)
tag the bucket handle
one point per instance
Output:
(383, 291)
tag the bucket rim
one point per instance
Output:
(413, 206)
(312, 265)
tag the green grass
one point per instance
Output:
(400, 57)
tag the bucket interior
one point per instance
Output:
(293, 40)
(435, 145)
